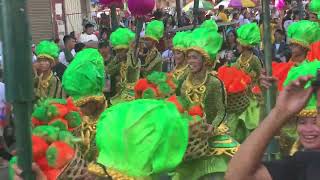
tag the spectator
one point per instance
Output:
(67, 54)
(222, 15)
(167, 57)
(78, 47)
(34, 56)
(105, 51)
(88, 35)
(229, 52)
(280, 50)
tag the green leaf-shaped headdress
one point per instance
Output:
(47, 49)
(206, 41)
(305, 69)
(121, 38)
(314, 7)
(154, 30)
(304, 33)
(84, 79)
(142, 137)
(249, 35)
(180, 40)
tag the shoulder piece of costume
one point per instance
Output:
(145, 137)
(84, 79)
(121, 38)
(154, 30)
(304, 33)
(206, 41)
(304, 69)
(314, 7)
(48, 50)
(249, 35)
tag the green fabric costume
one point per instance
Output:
(180, 43)
(242, 124)
(124, 73)
(49, 87)
(84, 81)
(142, 138)
(153, 60)
(208, 91)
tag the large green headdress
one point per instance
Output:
(305, 69)
(304, 33)
(84, 79)
(121, 38)
(180, 40)
(249, 35)
(314, 7)
(206, 41)
(142, 137)
(210, 24)
(47, 49)
(154, 30)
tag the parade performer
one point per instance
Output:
(301, 35)
(124, 69)
(208, 155)
(84, 81)
(181, 69)
(54, 146)
(47, 85)
(140, 140)
(151, 60)
(314, 52)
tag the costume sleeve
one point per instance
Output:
(156, 64)
(215, 102)
(256, 70)
(134, 66)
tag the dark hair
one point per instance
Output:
(103, 44)
(221, 7)
(89, 25)
(67, 38)
(78, 47)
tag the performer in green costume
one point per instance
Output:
(301, 35)
(46, 84)
(204, 89)
(124, 69)
(151, 60)
(84, 81)
(248, 119)
(140, 139)
(181, 69)
(310, 111)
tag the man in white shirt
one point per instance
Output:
(88, 35)
(66, 56)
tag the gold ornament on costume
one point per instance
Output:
(177, 73)
(106, 173)
(244, 63)
(43, 85)
(196, 93)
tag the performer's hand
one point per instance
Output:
(266, 81)
(294, 97)
(39, 175)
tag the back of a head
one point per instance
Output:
(103, 44)
(221, 7)
(67, 38)
(89, 25)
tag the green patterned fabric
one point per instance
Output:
(154, 30)
(47, 48)
(85, 76)
(180, 40)
(249, 34)
(304, 33)
(304, 69)
(121, 38)
(142, 137)
(314, 7)
(206, 41)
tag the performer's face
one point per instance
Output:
(121, 53)
(178, 57)
(297, 50)
(148, 43)
(44, 65)
(309, 133)
(195, 61)
(313, 17)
